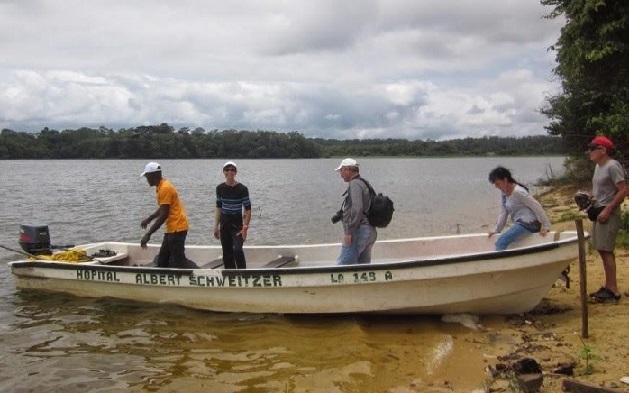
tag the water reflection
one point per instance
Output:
(107, 345)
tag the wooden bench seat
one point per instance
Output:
(279, 262)
(213, 264)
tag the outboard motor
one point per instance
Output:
(35, 239)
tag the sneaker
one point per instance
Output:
(607, 295)
(597, 293)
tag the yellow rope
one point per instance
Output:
(74, 255)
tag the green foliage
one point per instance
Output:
(162, 141)
(568, 216)
(588, 356)
(622, 240)
(531, 145)
(576, 171)
(593, 64)
(154, 142)
(624, 221)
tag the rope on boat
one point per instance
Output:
(73, 255)
(17, 251)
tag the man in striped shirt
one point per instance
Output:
(230, 226)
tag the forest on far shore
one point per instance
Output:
(164, 142)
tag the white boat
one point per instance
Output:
(429, 275)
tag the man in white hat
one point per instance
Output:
(172, 212)
(230, 226)
(358, 235)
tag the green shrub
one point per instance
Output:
(568, 216)
(622, 240)
(624, 221)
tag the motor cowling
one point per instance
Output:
(35, 239)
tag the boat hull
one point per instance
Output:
(479, 282)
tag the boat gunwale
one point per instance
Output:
(392, 265)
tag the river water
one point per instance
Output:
(60, 343)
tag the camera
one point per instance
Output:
(338, 216)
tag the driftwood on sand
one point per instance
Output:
(575, 386)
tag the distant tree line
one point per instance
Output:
(163, 141)
(155, 141)
(500, 146)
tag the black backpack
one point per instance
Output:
(381, 208)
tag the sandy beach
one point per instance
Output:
(551, 333)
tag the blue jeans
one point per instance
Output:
(515, 232)
(359, 251)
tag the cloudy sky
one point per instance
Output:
(415, 69)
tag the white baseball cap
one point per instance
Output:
(230, 163)
(151, 167)
(347, 162)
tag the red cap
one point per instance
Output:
(602, 141)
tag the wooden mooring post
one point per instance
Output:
(582, 278)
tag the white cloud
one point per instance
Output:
(362, 69)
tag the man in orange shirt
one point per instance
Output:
(172, 212)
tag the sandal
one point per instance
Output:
(606, 295)
(598, 292)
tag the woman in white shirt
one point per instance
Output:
(526, 212)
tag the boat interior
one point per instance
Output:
(317, 255)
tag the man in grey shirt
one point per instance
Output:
(609, 190)
(358, 235)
